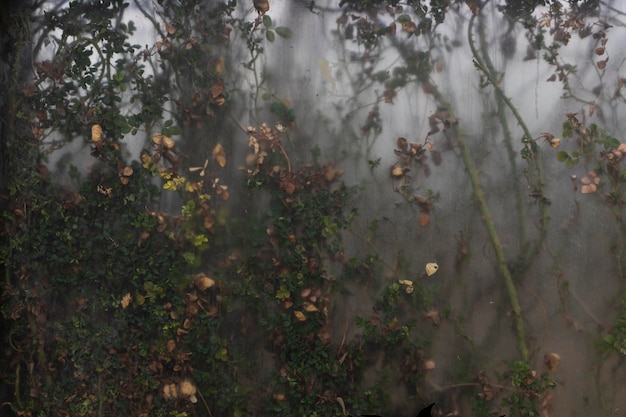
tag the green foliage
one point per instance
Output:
(529, 389)
(107, 308)
(73, 257)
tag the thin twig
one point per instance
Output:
(208, 410)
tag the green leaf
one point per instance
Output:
(172, 130)
(612, 142)
(267, 21)
(562, 156)
(405, 18)
(568, 128)
(283, 32)
(270, 35)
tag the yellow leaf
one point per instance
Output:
(431, 268)
(96, 133)
(310, 307)
(168, 142)
(126, 300)
(219, 155)
(203, 282)
(299, 315)
(219, 65)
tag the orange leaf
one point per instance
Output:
(473, 5)
(219, 155)
(217, 89)
(424, 219)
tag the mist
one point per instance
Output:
(486, 144)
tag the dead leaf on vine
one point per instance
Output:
(409, 27)
(222, 191)
(431, 268)
(402, 143)
(552, 361)
(392, 28)
(309, 307)
(438, 64)
(203, 282)
(170, 28)
(473, 6)
(424, 219)
(602, 64)
(409, 285)
(171, 345)
(96, 133)
(434, 316)
(589, 183)
(189, 390)
(261, 6)
(397, 171)
(202, 169)
(331, 174)
(166, 141)
(299, 315)
(219, 155)
(126, 301)
(219, 65)
(217, 89)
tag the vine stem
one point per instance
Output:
(482, 202)
(487, 218)
(537, 183)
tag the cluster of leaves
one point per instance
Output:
(85, 80)
(105, 315)
(523, 393)
(594, 146)
(287, 278)
(92, 294)
(98, 296)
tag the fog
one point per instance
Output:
(564, 248)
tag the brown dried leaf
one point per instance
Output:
(299, 315)
(203, 282)
(217, 89)
(552, 361)
(409, 27)
(219, 155)
(126, 300)
(402, 143)
(171, 345)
